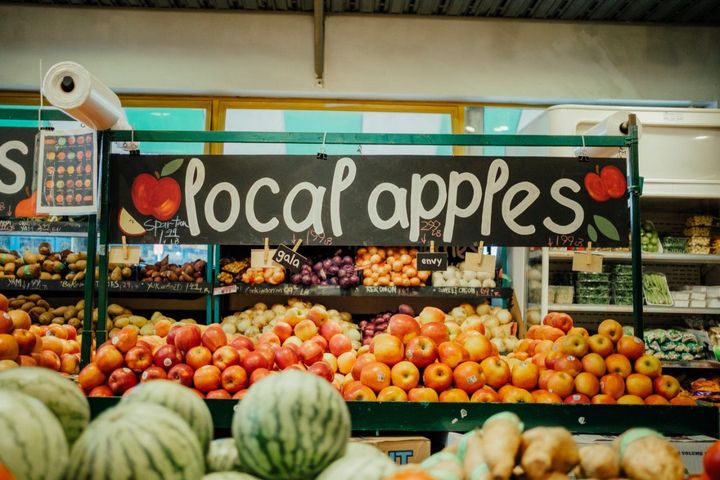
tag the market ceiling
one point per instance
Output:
(654, 11)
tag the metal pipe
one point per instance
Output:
(104, 162)
(89, 288)
(634, 188)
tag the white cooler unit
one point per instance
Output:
(679, 147)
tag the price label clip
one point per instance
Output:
(124, 254)
(479, 262)
(262, 257)
(587, 261)
(289, 258)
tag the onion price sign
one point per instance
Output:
(383, 200)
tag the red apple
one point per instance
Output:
(320, 340)
(655, 399)
(613, 385)
(242, 342)
(576, 345)
(258, 374)
(268, 338)
(90, 377)
(639, 385)
(109, 359)
(431, 314)
(283, 330)
(543, 396)
(214, 337)
(318, 315)
(577, 398)
(667, 386)
(234, 378)
(69, 363)
(711, 461)
(525, 375)
(25, 339)
(360, 362)
(478, 347)
(151, 373)
(328, 330)
(207, 378)
(612, 329)
(267, 351)
(562, 321)
(121, 380)
(421, 351)
(225, 357)
(632, 347)
(587, 384)
(437, 331)
(485, 395)
(255, 360)
(387, 348)
(560, 383)
(403, 327)
(182, 374)
(468, 376)
(167, 357)
(452, 353)
(339, 344)
(6, 322)
(138, 359)
(186, 337)
(617, 363)
(376, 376)
(322, 370)
(603, 399)
(392, 394)
(125, 339)
(310, 352)
(101, 391)
(569, 364)
(595, 364)
(423, 394)
(648, 365)
(220, 393)
(496, 371)
(198, 356)
(285, 357)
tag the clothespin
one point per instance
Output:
(266, 252)
(126, 252)
(588, 254)
(481, 249)
(432, 246)
(297, 245)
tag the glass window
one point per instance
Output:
(269, 120)
(174, 119)
(497, 120)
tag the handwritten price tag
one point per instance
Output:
(119, 255)
(480, 263)
(257, 258)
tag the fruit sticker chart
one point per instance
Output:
(66, 173)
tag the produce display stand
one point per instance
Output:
(376, 417)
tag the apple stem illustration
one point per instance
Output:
(597, 169)
(27, 191)
(157, 175)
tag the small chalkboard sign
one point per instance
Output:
(432, 261)
(289, 258)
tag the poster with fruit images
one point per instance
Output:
(367, 200)
(18, 196)
(66, 172)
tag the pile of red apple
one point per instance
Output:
(215, 365)
(56, 347)
(559, 362)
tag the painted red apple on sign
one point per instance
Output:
(606, 184)
(158, 195)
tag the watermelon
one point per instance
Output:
(63, 397)
(137, 440)
(32, 441)
(223, 456)
(229, 476)
(350, 467)
(290, 425)
(180, 400)
(358, 449)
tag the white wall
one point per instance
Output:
(236, 53)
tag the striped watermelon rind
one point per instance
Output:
(180, 400)
(32, 441)
(359, 449)
(229, 476)
(290, 425)
(223, 456)
(137, 440)
(59, 394)
(373, 467)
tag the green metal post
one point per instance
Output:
(209, 278)
(88, 291)
(634, 187)
(216, 299)
(104, 162)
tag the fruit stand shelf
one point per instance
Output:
(125, 286)
(656, 258)
(692, 365)
(462, 417)
(362, 291)
(35, 228)
(628, 309)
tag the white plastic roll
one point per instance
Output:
(71, 88)
(613, 125)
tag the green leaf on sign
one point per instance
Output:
(592, 233)
(606, 227)
(171, 167)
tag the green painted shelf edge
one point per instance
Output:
(462, 417)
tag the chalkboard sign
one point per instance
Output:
(432, 262)
(17, 198)
(375, 200)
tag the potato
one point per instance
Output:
(147, 329)
(75, 322)
(27, 306)
(138, 321)
(121, 322)
(59, 320)
(45, 318)
(114, 310)
(70, 312)
(35, 312)
(16, 303)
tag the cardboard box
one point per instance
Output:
(691, 448)
(401, 450)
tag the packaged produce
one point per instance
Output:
(649, 240)
(674, 244)
(656, 290)
(674, 344)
